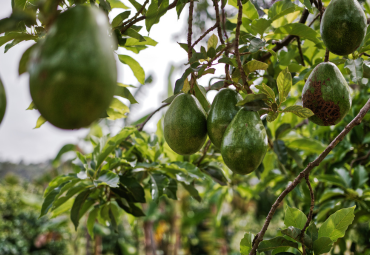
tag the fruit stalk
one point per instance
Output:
(141, 126)
(356, 121)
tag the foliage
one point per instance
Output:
(133, 174)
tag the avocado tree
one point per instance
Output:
(282, 64)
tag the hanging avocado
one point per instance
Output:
(244, 144)
(2, 101)
(222, 112)
(185, 125)
(327, 94)
(343, 26)
(73, 71)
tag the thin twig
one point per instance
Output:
(327, 55)
(137, 14)
(218, 23)
(227, 66)
(286, 40)
(300, 50)
(301, 124)
(203, 35)
(356, 121)
(124, 28)
(141, 126)
(318, 15)
(365, 54)
(309, 218)
(204, 152)
(358, 159)
(237, 55)
(190, 28)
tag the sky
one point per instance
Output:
(18, 138)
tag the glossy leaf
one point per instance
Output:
(294, 217)
(322, 245)
(77, 205)
(135, 67)
(91, 221)
(155, 12)
(284, 83)
(299, 111)
(355, 69)
(268, 245)
(246, 243)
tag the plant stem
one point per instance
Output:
(141, 126)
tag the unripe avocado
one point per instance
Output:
(343, 26)
(327, 94)
(244, 144)
(73, 70)
(222, 112)
(185, 125)
(2, 101)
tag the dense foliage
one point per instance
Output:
(195, 204)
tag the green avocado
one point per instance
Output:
(327, 94)
(244, 144)
(222, 112)
(185, 125)
(73, 71)
(343, 26)
(2, 101)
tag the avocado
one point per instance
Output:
(343, 26)
(327, 94)
(2, 101)
(185, 125)
(73, 70)
(244, 144)
(222, 112)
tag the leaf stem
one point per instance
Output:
(141, 126)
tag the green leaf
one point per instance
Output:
(130, 208)
(280, 9)
(246, 243)
(77, 205)
(322, 245)
(155, 12)
(250, 98)
(295, 155)
(40, 121)
(300, 30)
(192, 191)
(250, 10)
(295, 233)
(135, 67)
(180, 6)
(254, 65)
(299, 111)
(132, 33)
(118, 20)
(280, 151)
(134, 187)
(294, 217)
(117, 110)
(122, 91)
(117, 4)
(49, 199)
(284, 83)
(336, 225)
(260, 25)
(171, 189)
(158, 183)
(32, 106)
(308, 145)
(274, 243)
(135, 42)
(19, 36)
(91, 221)
(137, 6)
(355, 68)
(108, 178)
(360, 176)
(200, 94)
(271, 116)
(212, 42)
(266, 90)
(308, 5)
(312, 231)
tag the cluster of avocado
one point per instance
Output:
(237, 132)
(73, 71)
(326, 92)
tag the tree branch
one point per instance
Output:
(141, 126)
(356, 121)
(204, 152)
(287, 39)
(203, 35)
(137, 14)
(237, 55)
(326, 55)
(300, 50)
(190, 28)
(227, 66)
(358, 159)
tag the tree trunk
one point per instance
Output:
(98, 245)
(150, 246)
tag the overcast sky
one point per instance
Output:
(18, 139)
